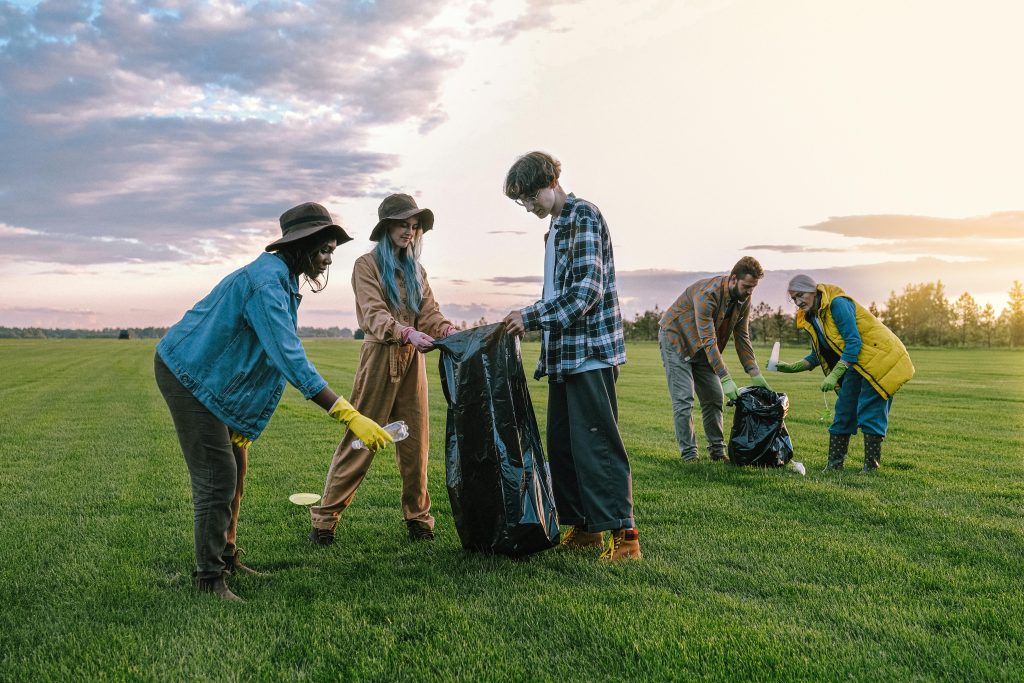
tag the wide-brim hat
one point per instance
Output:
(305, 220)
(398, 207)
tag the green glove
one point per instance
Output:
(798, 366)
(759, 381)
(833, 377)
(365, 429)
(730, 388)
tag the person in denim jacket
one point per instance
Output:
(222, 369)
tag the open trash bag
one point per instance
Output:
(498, 479)
(759, 435)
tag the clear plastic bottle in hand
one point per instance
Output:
(398, 431)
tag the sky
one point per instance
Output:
(149, 147)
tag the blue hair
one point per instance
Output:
(388, 263)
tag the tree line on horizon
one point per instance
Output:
(921, 315)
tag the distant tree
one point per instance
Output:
(921, 315)
(1015, 314)
(760, 320)
(873, 310)
(643, 327)
(358, 334)
(987, 322)
(965, 312)
(346, 333)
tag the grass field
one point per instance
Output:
(913, 573)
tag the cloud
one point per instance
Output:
(791, 248)
(180, 131)
(507, 232)
(1006, 224)
(522, 280)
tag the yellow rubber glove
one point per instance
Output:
(368, 431)
(833, 377)
(239, 440)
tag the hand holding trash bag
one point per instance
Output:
(730, 389)
(799, 366)
(514, 324)
(421, 341)
(829, 384)
(368, 431)
(759, 381)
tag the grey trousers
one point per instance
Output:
(685, 377)
(590, 473)
(216, 468)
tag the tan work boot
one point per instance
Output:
(578, 538)
(217, 586)
(624, 544)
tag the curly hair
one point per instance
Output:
(530, 173)
(748, 265)
(298, 255)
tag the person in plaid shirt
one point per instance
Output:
(583, 345)
(694, 331)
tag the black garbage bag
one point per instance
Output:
(498, 479)
(759, 435)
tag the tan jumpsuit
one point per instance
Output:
(390, 385)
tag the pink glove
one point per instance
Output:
(422, 341)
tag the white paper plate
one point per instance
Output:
(304, 498)
(773, 361)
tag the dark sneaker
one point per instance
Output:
(217, 586)
(321, 536)
(691, 459)
(719, 457)
(419, 531)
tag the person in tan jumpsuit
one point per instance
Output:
(391, 382)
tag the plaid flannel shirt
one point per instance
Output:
(582, 318)
(701, 319)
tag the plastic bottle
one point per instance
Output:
(398, 430)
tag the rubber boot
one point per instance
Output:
(838, 445)
(872, 452)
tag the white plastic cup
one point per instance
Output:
(398, 431)
(773, 360)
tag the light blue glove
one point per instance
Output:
(833, 377)
(730, 388)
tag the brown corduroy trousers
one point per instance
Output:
(390, 385)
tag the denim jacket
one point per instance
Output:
(234, 349)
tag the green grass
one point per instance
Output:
(913, 573)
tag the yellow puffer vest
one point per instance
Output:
(883, 359)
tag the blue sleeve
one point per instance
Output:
(844, 313)
(268, 312)
(811, 359)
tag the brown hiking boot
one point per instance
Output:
(624, 544)
(578, 538)
(217, 586)
(233, 565)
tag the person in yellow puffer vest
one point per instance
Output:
(846, 335)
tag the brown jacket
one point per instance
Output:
(379, 323)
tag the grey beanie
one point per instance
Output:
(802, 283)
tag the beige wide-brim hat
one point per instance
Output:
(398, 207)
(305, 220)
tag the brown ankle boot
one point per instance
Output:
(217, 586)
(624, 544)
(578, 538)
(233, 565)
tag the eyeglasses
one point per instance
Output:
(523, 201)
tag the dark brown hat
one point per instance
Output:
(305, 220)
(398, 207)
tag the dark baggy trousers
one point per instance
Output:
(216, 468)
(590, 472)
